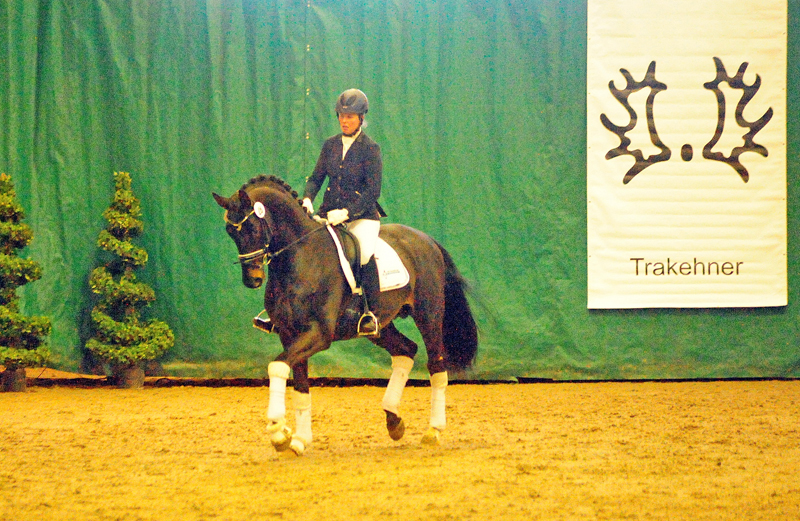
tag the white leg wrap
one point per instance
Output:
(278, 374)
(438, 387)
(401, 368)
(302, 416)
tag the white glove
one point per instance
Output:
(319, 219)
(337, 216)
(308, 206)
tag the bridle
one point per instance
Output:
(264, 253)
(238, 225)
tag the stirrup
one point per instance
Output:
(263, 324)
(368, 325)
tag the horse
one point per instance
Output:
(311, 304)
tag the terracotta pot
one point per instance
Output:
(129, 377)
(13, 381)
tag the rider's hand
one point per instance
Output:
(308, 206)
(337, 216)
(320, 220)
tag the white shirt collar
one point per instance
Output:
(347, 141)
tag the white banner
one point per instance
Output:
(686, 166)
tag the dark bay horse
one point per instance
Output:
(311, 304)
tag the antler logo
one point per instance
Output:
(748, 92)
(622, 96)
(655, 86)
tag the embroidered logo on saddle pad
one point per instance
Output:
(391, 271)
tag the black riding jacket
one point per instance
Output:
(353, 183)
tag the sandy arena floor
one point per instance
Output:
(649, 451)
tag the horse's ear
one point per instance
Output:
(244, 200)
(222, 201)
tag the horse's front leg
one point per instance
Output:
(301, 399)
(297, 353)
(280, 433)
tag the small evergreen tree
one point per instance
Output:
(21, 337)
(121, 337)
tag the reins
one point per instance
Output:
(264, 252)
(290, 245)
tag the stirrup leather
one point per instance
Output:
(365, 320)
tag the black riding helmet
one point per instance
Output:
(352, 101)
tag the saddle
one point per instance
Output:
(392, 274)
(391, 271)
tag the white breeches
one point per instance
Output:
(366, 230)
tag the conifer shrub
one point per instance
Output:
(122, 337)
(22, 338)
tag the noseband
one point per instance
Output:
(238, 225)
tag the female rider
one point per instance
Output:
(351, 162)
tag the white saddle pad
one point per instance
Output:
(391, 271)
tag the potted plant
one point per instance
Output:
(122, 337)
(21, 337)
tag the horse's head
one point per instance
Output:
(245, 222)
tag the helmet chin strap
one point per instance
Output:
(356, 131)
(360, 125)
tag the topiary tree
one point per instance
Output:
(121, 337)
(21, 337)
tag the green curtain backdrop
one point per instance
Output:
(479, 107)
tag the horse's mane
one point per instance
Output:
(275, 181)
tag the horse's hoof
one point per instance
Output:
(280, 435)
(281, 441)
(431, 437)
(395, 425)
(288, 454)
(296, 447)
(396, 433)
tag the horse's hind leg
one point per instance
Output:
(438, 418)
(431, 332)
(402, 350)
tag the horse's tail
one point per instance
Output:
(459, 331)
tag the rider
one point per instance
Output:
(352, 163)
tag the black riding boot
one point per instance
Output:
(368, 324)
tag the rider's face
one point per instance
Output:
(349, 123)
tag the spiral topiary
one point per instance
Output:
(21, 337)
(121, 337)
